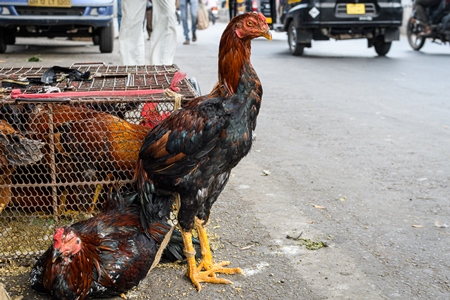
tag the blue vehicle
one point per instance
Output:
(57, 18)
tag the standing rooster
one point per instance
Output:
(193, 151)
(103, 256)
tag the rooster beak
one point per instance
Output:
(56, 254)
(266, 33)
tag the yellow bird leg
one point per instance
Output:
(207, 263)
(194, 274)
(61, 207)
(98, 189)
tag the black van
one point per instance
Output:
(378, 21)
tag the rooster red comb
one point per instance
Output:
(262, 17)
(57, 238)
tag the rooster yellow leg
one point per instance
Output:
(98, 189)
(5, 193)
(207, 263)
(193, 272)
(5, 197)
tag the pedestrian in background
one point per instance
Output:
(132, 36)
(421, 6)
(149, 18)
(163, 41)
(193, 7)
(119, 12)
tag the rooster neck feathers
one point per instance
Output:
(235, 49)
(231, 60)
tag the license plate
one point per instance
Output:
(50, 3)
(356, 8)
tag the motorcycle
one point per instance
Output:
(439, 17)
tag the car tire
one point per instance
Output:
(2, 41)
(382, 47)
(10, 38)
(295, 48)
(106, 39)
(96, 39)
(412, 33)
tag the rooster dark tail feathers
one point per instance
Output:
(154, 207)
(145, 191)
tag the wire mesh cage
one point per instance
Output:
(66, 136)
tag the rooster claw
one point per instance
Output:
(218, 268)
(209, 275)
(206, 276)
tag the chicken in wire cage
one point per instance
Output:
(63, 144)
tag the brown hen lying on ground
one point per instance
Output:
(193, 151)
(103, 256)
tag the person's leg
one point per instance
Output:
(149, 23)
(420, 11)
(119, 12)
(163, 41)
(131, 35)
(184, 21)
(194, 16)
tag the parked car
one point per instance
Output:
(57, 18)
(378, 21)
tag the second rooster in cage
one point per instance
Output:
(88, 146)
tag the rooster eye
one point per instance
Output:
(78, 241)
(249, 23)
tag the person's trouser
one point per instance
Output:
(163, 41)
(193, 8)
(131, 35)
(420, 9)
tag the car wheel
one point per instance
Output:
(10, 38)
(106, 39)
(412, 32)
(96, 40)
(382, 47)
(295, 48)
(2, 41)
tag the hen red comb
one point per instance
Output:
(262, 17)
(177, 77)
(57, 238)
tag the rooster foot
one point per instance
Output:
(213, 268)
(195, 273)
(196, 276)
(207, 269)
(207, 263)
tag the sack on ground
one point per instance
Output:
(202, 19)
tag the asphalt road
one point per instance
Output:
(351, 150)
